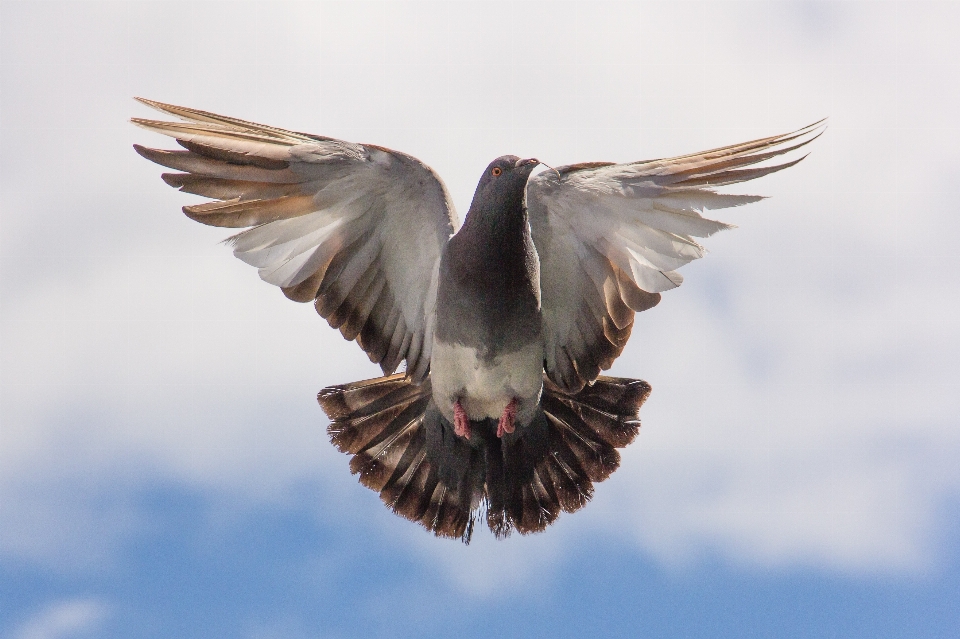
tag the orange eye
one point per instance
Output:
(496, 171)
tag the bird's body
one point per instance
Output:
(488, 344)
(504, 324)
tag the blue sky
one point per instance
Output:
(164, 468)
(284, 573)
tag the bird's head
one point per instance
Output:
(502, 184)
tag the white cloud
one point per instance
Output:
(805, 386)
(64, 619)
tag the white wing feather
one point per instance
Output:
(617, 233)
(357, 228)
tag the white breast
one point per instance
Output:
(485, 388)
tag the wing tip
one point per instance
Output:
(822, 123)
(144, 151)
(155, 126)
(176, 180)
(163, 107)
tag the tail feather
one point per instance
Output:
(452, 515)
(597, 458)
(547, 495)
(390, 452)
(446, 516)
(406, 468)
(574, 488)
(352, 436)
(614, 395)
(362, 399)
(417, 500)
(610, 428)
(405, 450)
(495, 487)
(539, 510)
(409, 496)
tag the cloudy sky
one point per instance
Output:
(164, 469)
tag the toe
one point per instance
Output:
(461, 423)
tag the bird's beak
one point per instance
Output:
(533, 162)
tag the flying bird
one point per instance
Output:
(504, 324)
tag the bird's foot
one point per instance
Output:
(506, 424)
(461, 423)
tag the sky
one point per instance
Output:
(164, 467)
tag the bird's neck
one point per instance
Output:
(489, 290)
(502, 230)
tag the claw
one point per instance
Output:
(506, 424)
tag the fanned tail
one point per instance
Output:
(384, 423)
(405, 450)
(552, 466)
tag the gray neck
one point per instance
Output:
(489, 293)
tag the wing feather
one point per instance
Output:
(618, 232)
(356, 228)
(220, 189)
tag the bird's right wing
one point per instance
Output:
(358, 229)
(611, 236)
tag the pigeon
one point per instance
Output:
(504, 324)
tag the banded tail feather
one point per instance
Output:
(403, 448)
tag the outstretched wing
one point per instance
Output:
(356, 228)
(611, 236)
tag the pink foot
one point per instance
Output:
(507, 419)
(461, 423)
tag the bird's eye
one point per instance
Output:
(496, 171)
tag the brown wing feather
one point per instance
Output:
(289, 187)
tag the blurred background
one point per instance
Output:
(164, 467)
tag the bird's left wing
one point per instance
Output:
(611, 236)
(354, 227)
